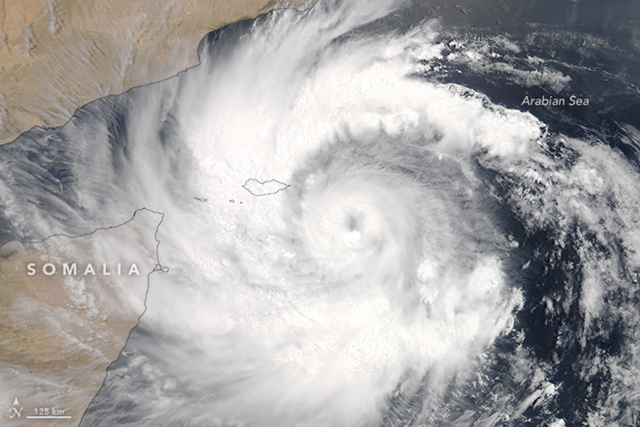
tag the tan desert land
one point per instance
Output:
(57, 55)
(59, 333)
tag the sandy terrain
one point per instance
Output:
(57, 55)
(59, 333)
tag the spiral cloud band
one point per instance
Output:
(373, 282)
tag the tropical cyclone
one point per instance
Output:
(56, 56)
(58, 332)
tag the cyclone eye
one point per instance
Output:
(352, 223)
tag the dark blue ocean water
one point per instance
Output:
(69, 181)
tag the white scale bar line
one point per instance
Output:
(53, 416)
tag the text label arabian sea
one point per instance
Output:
(555, 102)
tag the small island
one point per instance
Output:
(264, 188)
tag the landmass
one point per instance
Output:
(60, 332)
(56, 56)
(264, 188)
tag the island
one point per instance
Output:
(264, 188)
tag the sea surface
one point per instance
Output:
(439, 251)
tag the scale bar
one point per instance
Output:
(49, 416)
